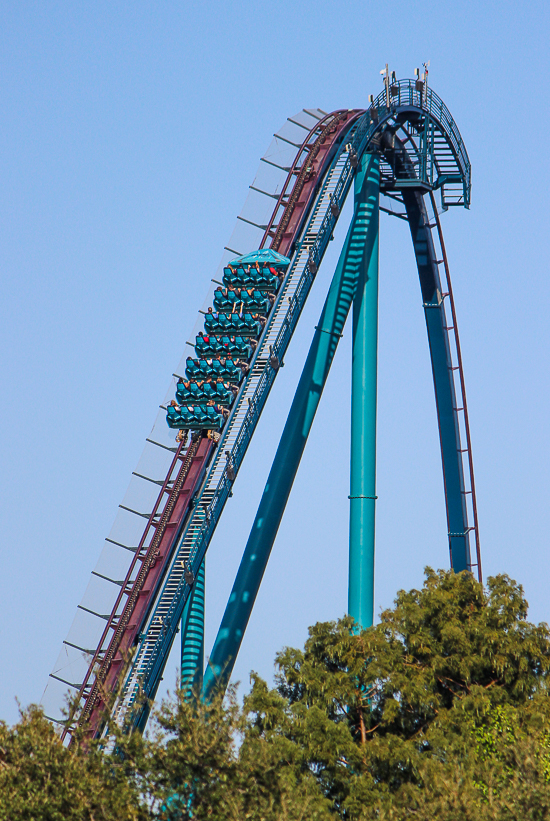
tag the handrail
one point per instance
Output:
(427, 100)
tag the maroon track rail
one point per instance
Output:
(109, 663)
(139, 596)
(459, 367)
(309, 170)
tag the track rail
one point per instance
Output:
(460, 391)
(161, 626)
(116, 644)
(138, 635)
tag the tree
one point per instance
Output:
(198, 765)
(395, 721)
(439, 711)
(41, 780)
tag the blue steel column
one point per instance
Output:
(294, 437)
(363, 414)
(192, 636)
(447, 413)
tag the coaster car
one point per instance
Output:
(228, 369)
(241, 278)
(253, 301)
(236, 347)
(205, 392)
(194, 417)
(225, 299)
(243, 325)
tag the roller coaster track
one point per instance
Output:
(106, 665)
(129, 659)
(236, 436)
(461, 406)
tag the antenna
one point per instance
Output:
(425, 78)
(386, 81)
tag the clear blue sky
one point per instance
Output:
(129, 135)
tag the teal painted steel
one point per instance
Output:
(411, 165)
(294, 437)
(449, 434)
(192, 636)
(445, 395)
(265, 255)
(363, 404)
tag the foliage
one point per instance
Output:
(199, 758)
(440, 710)
(41, 780)
(407, 717)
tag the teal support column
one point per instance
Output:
(363, 415)
(294, 437)
(192, 637)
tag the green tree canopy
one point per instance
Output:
(440, 710)
(437, 709)
(42, 780)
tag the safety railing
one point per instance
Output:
(416, 94)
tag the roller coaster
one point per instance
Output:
(398, 154)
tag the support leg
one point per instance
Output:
(445, 396)
(192, 637)
(363, 419)
(294, 437)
